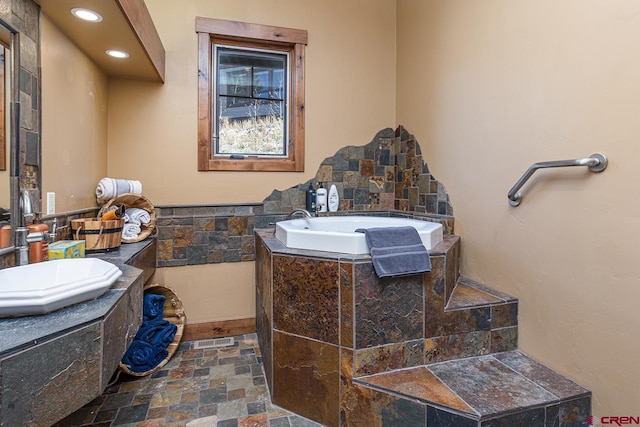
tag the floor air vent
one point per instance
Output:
(218, 342)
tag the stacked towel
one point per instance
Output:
(149, 346)
(142, 356)
(108, 188)
(161, 333)
(158, 332)
(137, 216)
(152, 306)
(134, 218)
(130, 231)
(396, 251)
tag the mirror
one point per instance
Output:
(7, 148)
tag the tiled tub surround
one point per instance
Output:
(209, 234)
(343, 347)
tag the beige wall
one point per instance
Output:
(489, 88)
(74, 121)
(228, 292)
(350, 95)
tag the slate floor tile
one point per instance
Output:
(221, 387)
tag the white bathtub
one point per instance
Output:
(337, 233)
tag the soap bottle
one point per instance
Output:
(321, 199)
(311, 199)
(38, 251)
(334, 199)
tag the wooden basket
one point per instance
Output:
(131, 200)
(174, 313)
(99, 236)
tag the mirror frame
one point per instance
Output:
(13, 124)
(22, 19)
(4, 114)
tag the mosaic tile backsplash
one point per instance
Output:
(389, 173)
(388, 176)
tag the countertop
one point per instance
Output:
(22, 332)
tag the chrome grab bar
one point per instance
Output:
(597, 162)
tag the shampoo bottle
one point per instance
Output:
(311, 199)
(321, 199)
(334, 200)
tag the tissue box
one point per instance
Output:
(66, 249)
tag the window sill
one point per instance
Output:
(253, 165)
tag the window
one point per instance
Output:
(250, 97)
(250, 102)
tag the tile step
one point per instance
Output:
(470, 294)
(506, 387)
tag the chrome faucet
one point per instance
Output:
(26, 208)
(304, 212)
(26, 212)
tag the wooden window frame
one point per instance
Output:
(209, 29)
(3, 124)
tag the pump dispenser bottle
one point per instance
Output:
(321, 199)
(311, 199)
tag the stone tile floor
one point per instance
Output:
(215, 387)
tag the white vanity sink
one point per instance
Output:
(47, 286)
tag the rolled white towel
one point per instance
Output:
(108, 188)
(136, 216)
(130, 231)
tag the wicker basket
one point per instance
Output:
(99, 236)
(174, 313)
(131, 200)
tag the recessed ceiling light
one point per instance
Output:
(117, 53)
(86, 14)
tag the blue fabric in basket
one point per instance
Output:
(157, 332)
(149, 347)
(152, 306)
(142, 356)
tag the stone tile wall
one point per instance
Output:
(386, 177)
(389, 173)
(189, 235)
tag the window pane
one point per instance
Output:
(235, 82)
(250, 128)
(251, 93)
